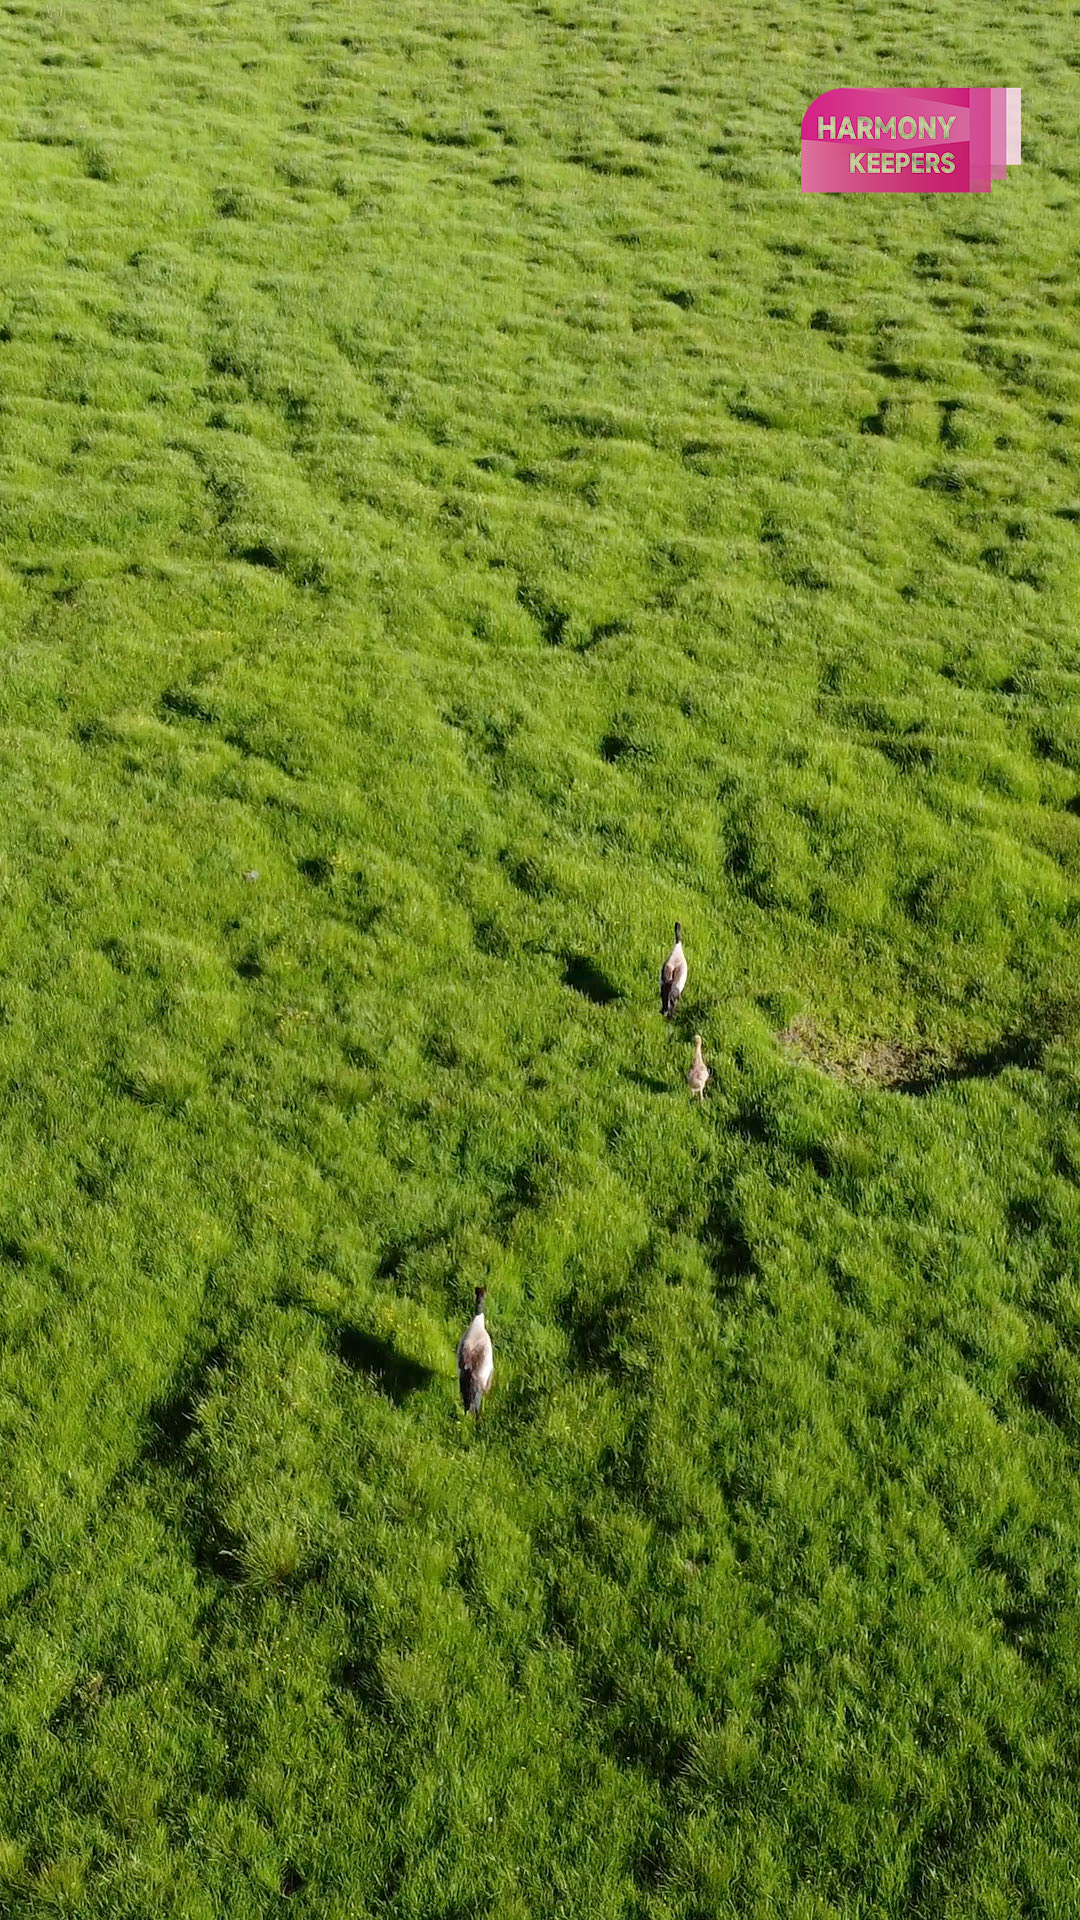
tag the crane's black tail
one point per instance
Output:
(472, 1394)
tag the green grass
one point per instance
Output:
(449, 471)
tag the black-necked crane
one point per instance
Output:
(673, 975)
(476, 1364)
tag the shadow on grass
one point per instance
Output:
(583, 976)
(592, 1331)
(393, 1373)
(1031, 1611)
(359, 1674)
(1042, 1393)
(1022, 1050)
(647, 1081)
(729, 1253)
(172, 1420)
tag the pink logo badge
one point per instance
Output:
(910, 139)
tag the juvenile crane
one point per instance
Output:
(476, 1365)
(699, 1073)
(673, 975)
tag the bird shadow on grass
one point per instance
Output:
(394, 1374)
(727, 1248)
(592, 1330)
(171, 1425)
(171, 1421)
(646, 1080)
(359, 1673)
(583, 976)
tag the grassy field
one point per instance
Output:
(461, 509)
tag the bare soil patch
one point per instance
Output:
(880, 1062)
